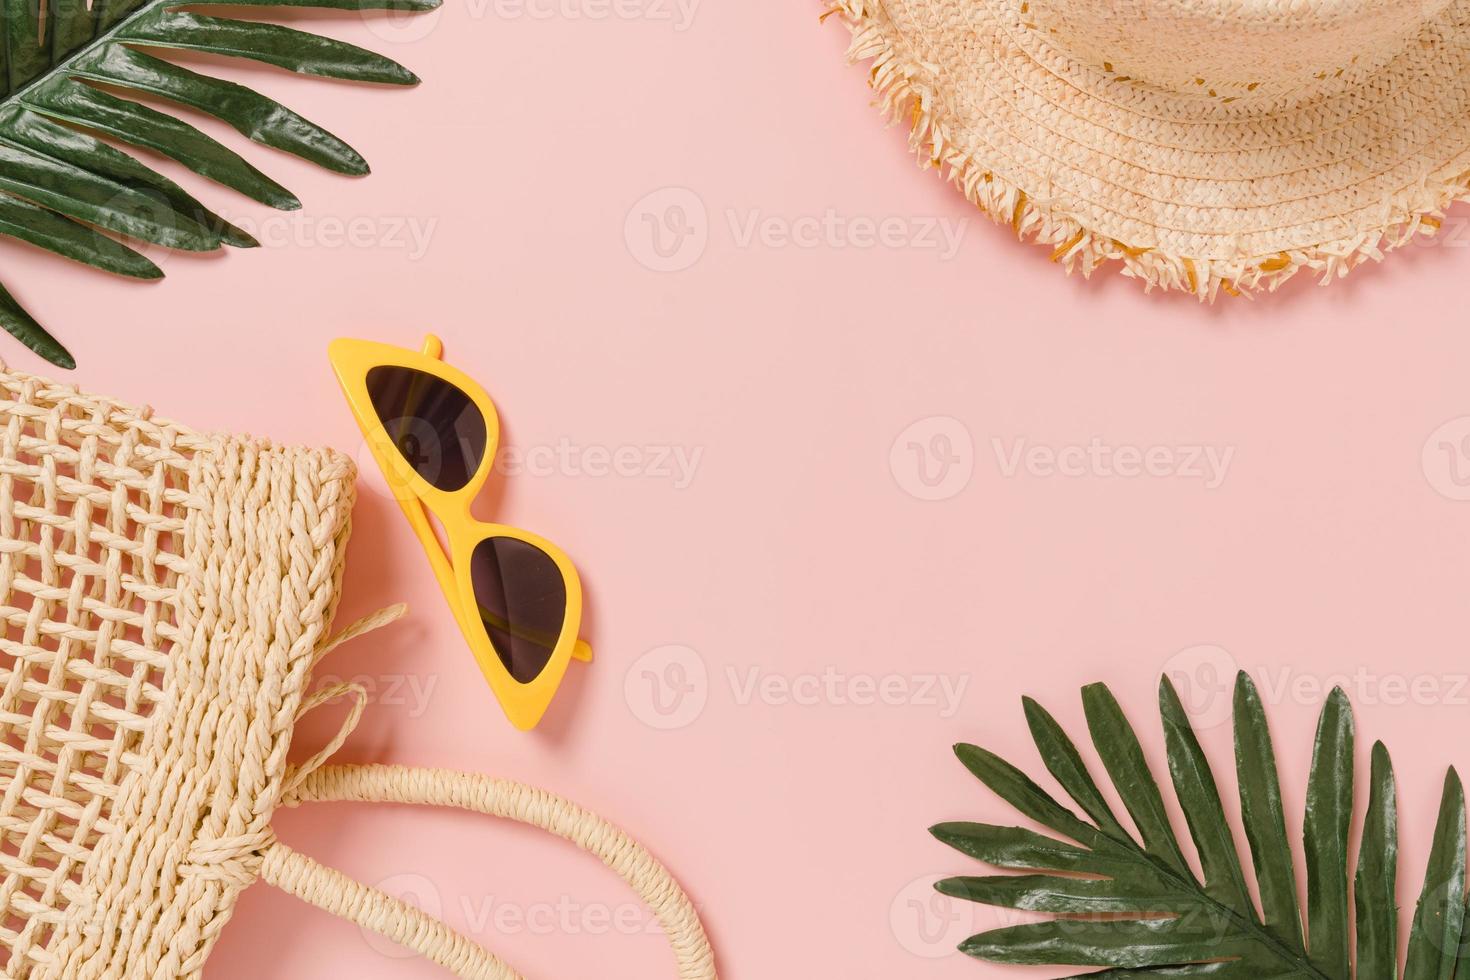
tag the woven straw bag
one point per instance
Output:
(166, 595)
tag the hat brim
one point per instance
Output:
(1188, 191)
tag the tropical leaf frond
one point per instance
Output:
(67, 71)
(1130, 902)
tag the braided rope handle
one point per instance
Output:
(397, 920)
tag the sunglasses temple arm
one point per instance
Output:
(418, 519)
(581, 650)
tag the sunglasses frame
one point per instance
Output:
(523, 703)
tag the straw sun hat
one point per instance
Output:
(1206, 144)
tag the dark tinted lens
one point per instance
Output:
(523, 602)
(434, 425)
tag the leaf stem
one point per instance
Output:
(105, 37)
(1191, 888)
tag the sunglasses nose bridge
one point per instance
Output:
(463, 502)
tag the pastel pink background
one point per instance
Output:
(798, 828)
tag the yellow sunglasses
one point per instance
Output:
(515, 595)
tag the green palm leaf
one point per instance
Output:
(61, 187)
(1132, 904)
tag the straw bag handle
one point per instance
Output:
(426, 935)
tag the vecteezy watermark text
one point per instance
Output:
(1098, 459)
(838, 688)
(669, 687)
(564, 915)
(668, 230)
(1204, 676)
(934, 459)
(836, 231)
(676, 464)
(410, 234)
(679, 14)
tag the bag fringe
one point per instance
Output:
(901, 93)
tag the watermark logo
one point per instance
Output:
(667, 230)
(409, 446)
(413, 889)
(1446, 459)
(1204, 677)
(398, 26)
(929, 924)
(667, 687)
(934, 458)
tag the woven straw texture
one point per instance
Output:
(162, 594)
(1206, 145)
(164, 597)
